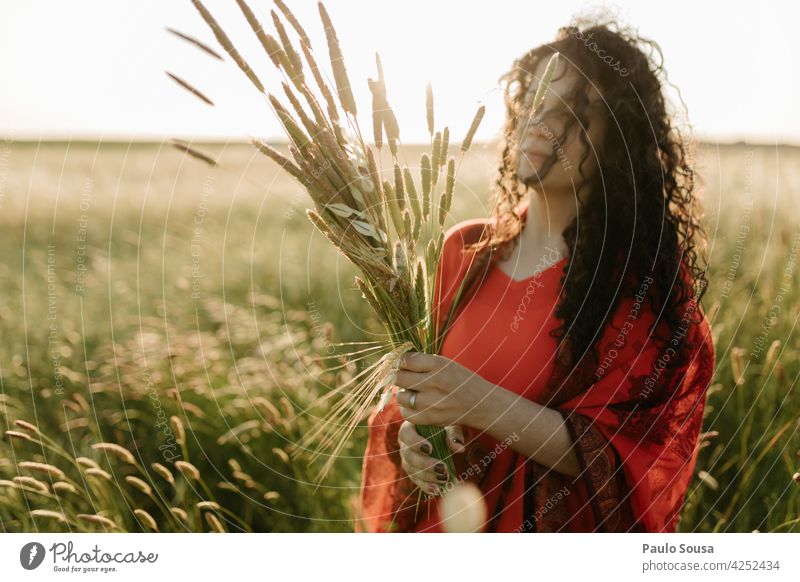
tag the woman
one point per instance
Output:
(572, 378)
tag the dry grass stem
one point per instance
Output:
(201, 45)
(191, 89)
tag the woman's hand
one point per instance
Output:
(447, 393)
(427, 472)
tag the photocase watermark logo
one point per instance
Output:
(31, 555)
(65, 557)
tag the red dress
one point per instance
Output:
(635, 419)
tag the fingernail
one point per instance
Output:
(458, 441)
(440, 468)
(426, 448)
(442, 478)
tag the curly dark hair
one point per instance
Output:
(646, 216)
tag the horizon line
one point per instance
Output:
(160, 140)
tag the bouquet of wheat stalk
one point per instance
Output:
(391, 229)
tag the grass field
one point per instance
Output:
(181, 311)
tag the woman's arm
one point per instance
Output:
(450, 394)
(543, 435)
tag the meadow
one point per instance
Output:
(163, 322)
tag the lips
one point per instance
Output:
(535, 154)
(534, 149)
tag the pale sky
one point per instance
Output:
(95, 68)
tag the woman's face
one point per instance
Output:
(537, 136)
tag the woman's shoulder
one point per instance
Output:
(456, 240)
(465, 232)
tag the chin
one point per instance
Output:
(525, 173)
(528, 177)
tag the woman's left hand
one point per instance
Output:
(447, 393)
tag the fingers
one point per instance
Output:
(422, 401)
(409, 437)
(411, 380)
(455, 439)
(424, 467)
(427, 472)
(403, 398)
(419, 362)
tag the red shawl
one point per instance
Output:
(634, 416)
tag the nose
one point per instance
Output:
(534, 123)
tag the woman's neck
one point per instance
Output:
(546, 219)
